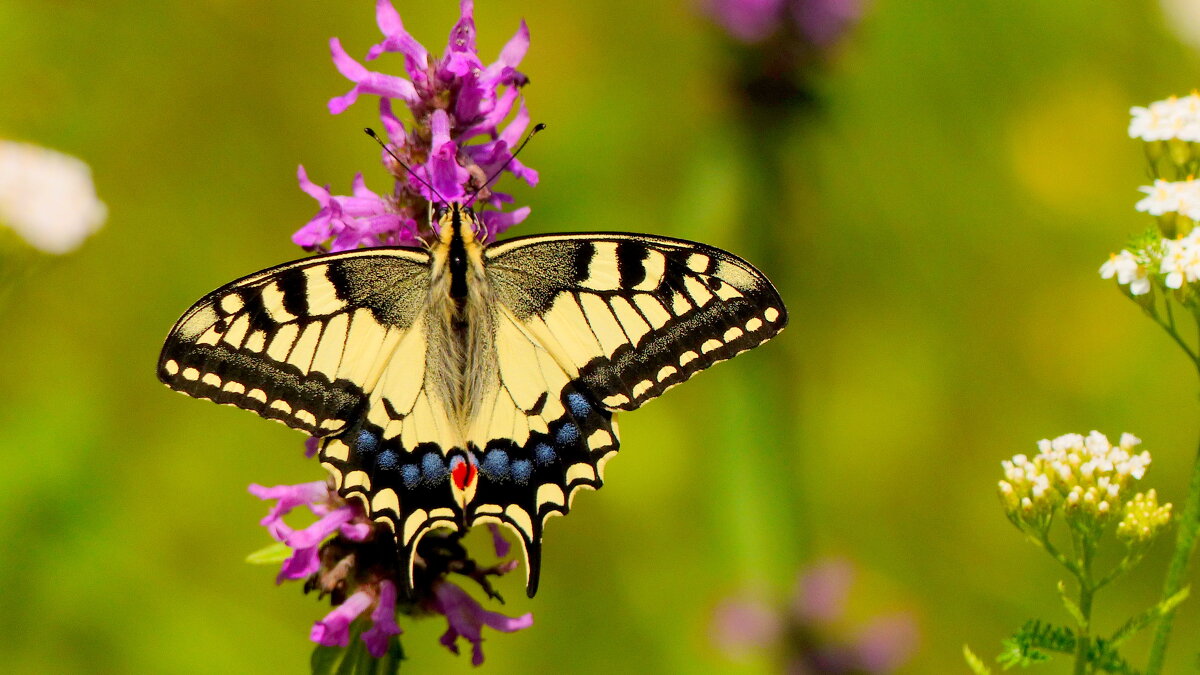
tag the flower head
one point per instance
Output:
(1171, 118)
(47, 197)
(805, 632)
(466, 619)
(1086, 477)
(818, 23)
(466, 119)
(1143, 519)
(340, 555)
(1130, 269)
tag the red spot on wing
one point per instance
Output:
(463, 473)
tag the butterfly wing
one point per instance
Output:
(302, 343)
(539, 437)
(395, 458)
(631, 316)
(334, 346)
(588, 324)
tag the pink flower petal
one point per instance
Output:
(383, 619)
(334, 629)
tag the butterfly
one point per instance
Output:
(466, 383)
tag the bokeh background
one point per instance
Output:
(935, 219)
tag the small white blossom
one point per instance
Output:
(1180, 262)
(1172, 118)
(47, 197)
(1181, 196)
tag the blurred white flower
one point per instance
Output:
(1171, 197)
(47, 197)
(1167, 119)
(1129, 269)
(1181, 261)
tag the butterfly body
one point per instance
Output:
(468, 383)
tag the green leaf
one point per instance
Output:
(974, 662)
(1025, 646)
(354, 659)
(1148, 617)
(270, 555)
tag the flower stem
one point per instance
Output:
(1083, 638)
(1185, 545)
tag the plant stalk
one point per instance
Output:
(1185, 546)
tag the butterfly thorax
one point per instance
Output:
(461, 347)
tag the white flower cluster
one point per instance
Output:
(1176, 261)
(1181, 260)
(47, 197)
(1173, 118)
(1182, 197)
(1087, 475)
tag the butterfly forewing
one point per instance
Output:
(632, 315)
(301, 343)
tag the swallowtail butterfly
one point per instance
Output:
(465, 383)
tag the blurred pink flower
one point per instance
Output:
(801, 634)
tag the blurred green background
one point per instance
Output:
(943, 214)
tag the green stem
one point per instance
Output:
(1185, 545)
(1169, 326)
(1085, 548)
(1083, 638)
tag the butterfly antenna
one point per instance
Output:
(371, 132)
(536, 128)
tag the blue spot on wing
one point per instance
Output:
(522, 469)
(567, 434)
(433, 468)
(387, 460)
(411, 475)
(495, 465)
(544, 454)
(366, 443)
(579, 405)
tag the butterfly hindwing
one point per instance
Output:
(540, 437)
(633, 315)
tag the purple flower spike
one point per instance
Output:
(454, 100)
(466, 619)
(334, 629)
(383, 619)
(803, 633)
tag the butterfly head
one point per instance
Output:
(456, 220)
